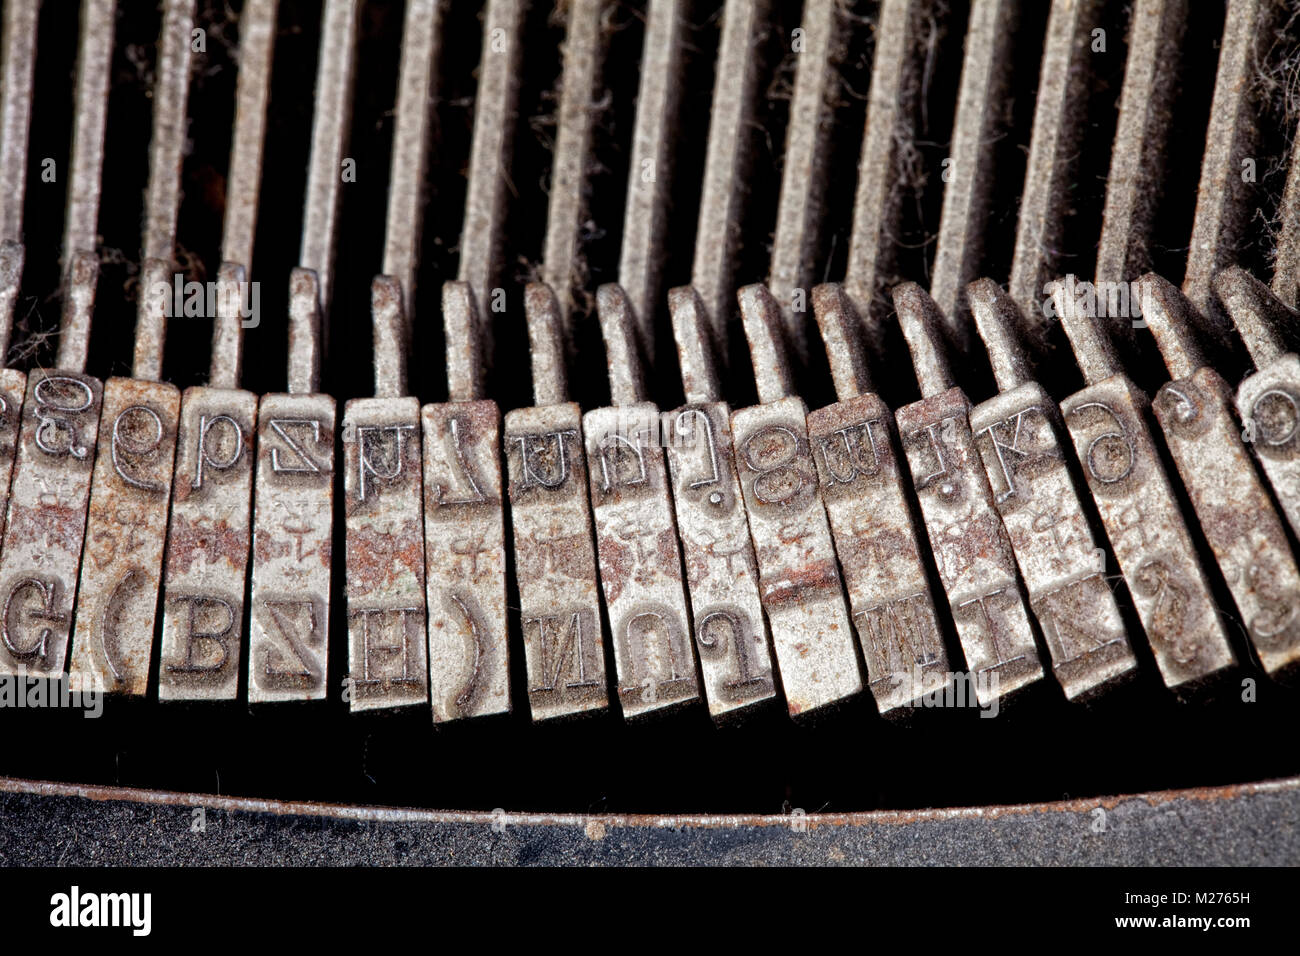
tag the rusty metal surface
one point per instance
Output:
(645, 219)
(799, 577)
(731, 635)
(465, 560)
(77, 825)
(580, 84)
(978, 123)
(293, 518)
(166, 149)
(423, 505)
(799, 214)
(970, 545)
(1018, 433)
(896, 80)
(639, 559)
(1059, 116)
(869, 506)
(723, 186)
(421, 39)
(383, 502)
(94, 58)
(46, 523)
(17, 65)
(257, 28)
(13, 387)
(1268, 400)
(1234, 510)
(1113, 443)
(464, 529)
(555, 560)
(121, 565)
(637, 549)
(550, 516)
(206, 566)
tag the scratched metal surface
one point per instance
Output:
(1250, 824)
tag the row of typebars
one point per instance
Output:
(699, 555)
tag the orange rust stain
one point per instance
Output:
(57, 525)
(616, 563)
(791, 586)
(188, 541)
(376, 560)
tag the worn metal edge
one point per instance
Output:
(378, 814)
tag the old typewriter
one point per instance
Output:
(838, 424)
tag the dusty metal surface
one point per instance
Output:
(1223, 196)
(799, 578)
(257, 28)
(331, 118)
(75, 825)
(424, 510)
(645, 219)
(166, 149)
(13, 387)
(465, 560)
(208, 538)
(421, 37)
(979, 121)
(46, 522)
(49, 495)
(131, 486)
(383, 501)
(464, 530)
(723, 189)
(855, 447)
(94, 58)
(1286, 259)
(490, 151)
(1108, 422)
(1138, 159)
(550, 516)
(1064, 572)
(1234, 510)
(1059, 116)
(289, 609)
(1268, 400)
(883, 165)
(570, 181)
(293, 521)
(17, 65)
(731, 635)
(205, 571)
(823, 44)
(12, 256)
(383, 507)
(970, 545)
(639, 558)
(121, 566)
